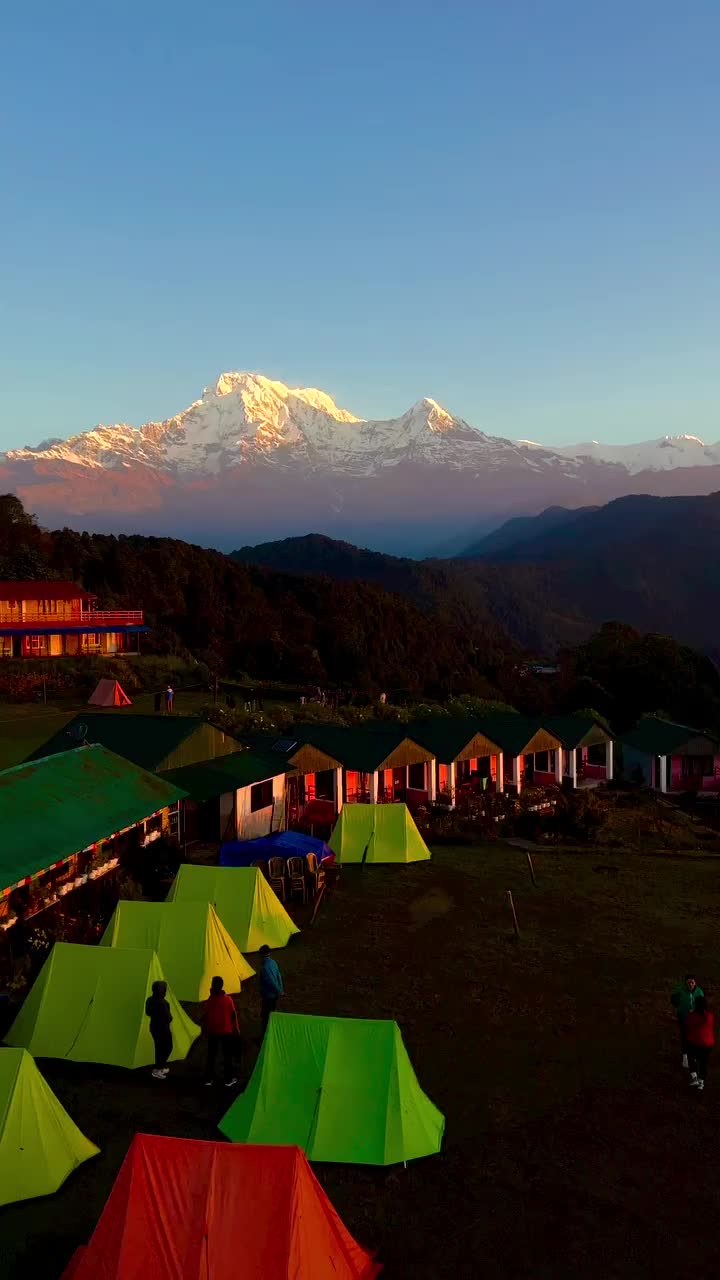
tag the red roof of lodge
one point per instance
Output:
(43, 591)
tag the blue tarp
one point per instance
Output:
(281, 844)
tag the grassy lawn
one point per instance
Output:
(573, 1145)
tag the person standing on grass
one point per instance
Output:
(700, 1034)
(169, 698)
(158, 1011)
(221, 1027)
(683, 1002)
(271, 986)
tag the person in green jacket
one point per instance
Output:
(683, 1002)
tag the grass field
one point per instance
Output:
(573, 1144)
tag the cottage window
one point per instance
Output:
(261, 795)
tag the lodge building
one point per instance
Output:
(57, 619)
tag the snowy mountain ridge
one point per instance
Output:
(248, 418)
(663, 454)
(255, 460)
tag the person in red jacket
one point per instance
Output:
(700, 1032)
(221, 1027)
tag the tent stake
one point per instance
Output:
(532, 869)
(511, 904)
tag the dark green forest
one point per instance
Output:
(310, 628)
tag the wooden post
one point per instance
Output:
(532, 869)
(318, 900)
(511, 904)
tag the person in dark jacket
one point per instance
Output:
(271, 986)
(700, 1035)
(158, 1011)
(683, 1002)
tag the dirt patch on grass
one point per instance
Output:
(431, 906)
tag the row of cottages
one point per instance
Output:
(237, 790)
(432, 761)
(55, 619)
(70, 818)
(671, 757)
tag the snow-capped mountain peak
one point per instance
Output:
(246, 418)
(255, 458)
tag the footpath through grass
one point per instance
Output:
(573, 1145)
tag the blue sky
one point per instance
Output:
(511, 206)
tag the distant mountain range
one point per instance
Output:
(651, 562)
(253, 458)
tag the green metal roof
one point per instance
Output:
(56, 806)
(362, 747)
(448, 736)
(514, 734)
(159, 742)
(664, 738)
(576, 731)
(213, 778)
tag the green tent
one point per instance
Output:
(343, 1089)
(87, 1004)
(249, 909)
(191, 944)
(377, 833)
(39, 1144)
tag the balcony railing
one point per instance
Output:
(124, 617)
(87, 618)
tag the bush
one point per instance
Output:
(578, 815)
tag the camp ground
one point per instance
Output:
(248, 908)
(198, 1209)
(39, 1143)
(87, 1004)
(189, 940)
(377, 833)
(343, 1089)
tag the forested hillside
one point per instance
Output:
(272, 625)
(440, 638)
(552, 580)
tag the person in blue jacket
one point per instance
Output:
(271, 986)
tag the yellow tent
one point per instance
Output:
(87, 1004)
(249, 909)
(377, 833)
(191, 944)
(39, 1144)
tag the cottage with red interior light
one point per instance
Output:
(671, 757)
(54, 619)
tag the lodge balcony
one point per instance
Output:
(30, 618)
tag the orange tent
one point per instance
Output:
(187, 1210)
(109, 694)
